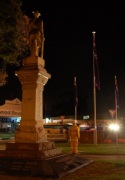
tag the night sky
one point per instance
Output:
(68, 27)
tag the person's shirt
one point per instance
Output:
(74, 132)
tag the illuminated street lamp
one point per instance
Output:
(115, 127)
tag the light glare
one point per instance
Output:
(114, 127)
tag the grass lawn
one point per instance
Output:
(8, 135)
(95, 149)
(104, 169)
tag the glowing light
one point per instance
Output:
(114, 127)
(47, 120)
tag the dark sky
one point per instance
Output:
(68, 27)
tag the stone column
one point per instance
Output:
(31, 138)
(33, 77)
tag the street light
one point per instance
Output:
(115, 127)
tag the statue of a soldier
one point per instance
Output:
(36, 35)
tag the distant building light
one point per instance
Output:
(47, 120)
(86, 117)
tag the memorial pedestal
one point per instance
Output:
(31, 137)
(41, 150)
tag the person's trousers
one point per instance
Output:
(74, 147)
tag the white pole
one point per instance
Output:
(94, 91)
(116, 108)
(76, 99)
(75, 112)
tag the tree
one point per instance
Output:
(13, 34)
(3, 78)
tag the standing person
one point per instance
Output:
(74, 135)
(36, 35)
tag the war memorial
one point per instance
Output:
(32, 153)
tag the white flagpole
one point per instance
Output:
(75, 98)
(116, 108)
(94, 91)
(75, 112)
(116, 103)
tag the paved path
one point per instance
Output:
(102, 157)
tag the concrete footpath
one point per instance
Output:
(103, 157)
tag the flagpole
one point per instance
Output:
(116, 103)
(75, 112)
(94, 91)
(76, 99)
(116, 108)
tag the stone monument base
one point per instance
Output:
(55, 167)
(42, 150)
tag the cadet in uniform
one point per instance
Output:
(74, 135)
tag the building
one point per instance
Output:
(10, 114)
